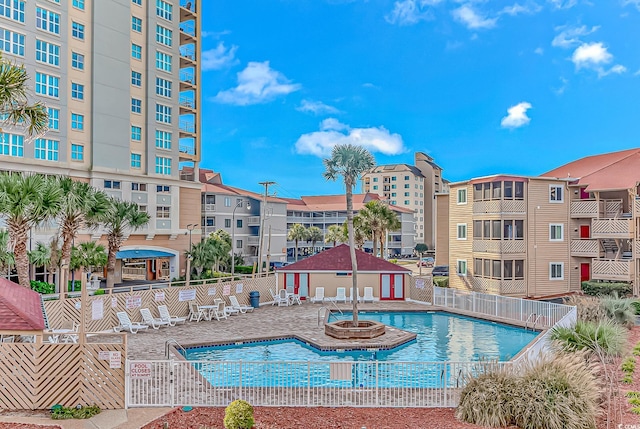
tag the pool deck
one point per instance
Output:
(268, 321)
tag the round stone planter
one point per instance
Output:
(345, 330)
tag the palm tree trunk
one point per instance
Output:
(375, 243)
(65, 257)
(20, 253)
(296, 250)
(352, 252)
(114, 245)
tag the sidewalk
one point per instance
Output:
(133, 418)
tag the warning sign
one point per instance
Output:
(140, 370)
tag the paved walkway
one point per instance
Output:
(133, 418)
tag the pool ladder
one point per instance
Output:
(532, 317)
(327, 309)
(174, 342)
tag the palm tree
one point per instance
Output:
(314, 234)
(14, 101)
(26, 200)
(82, 206)
(296, 233)
(218, 249)
(122, 217)
(361, 231)
(390, 222)
(334, 234)
(349, 161)
(373, 217)
(54, 260)
(40, 256)
(88, 255)
(200, 257)
(6, 256)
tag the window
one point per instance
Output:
(238, 244)
(462, 196)
(513, 229)
(142, 208)
(136, 160)
(136, 78)
(461, 267)
(163, 212)
(164, 10)
(556, 232)
(555, 194)
(407, 202)
(77, 91)
(163, 87)
(406, 177)
(54, 118)
(163, 113)
(138, 2)
(210, 221)
(163, 61)
(375, 179)
(79, 4)
(136, 133)
(112, 184)
(11, 42)
(238, 223)
(77, 61)
(136, 51)
(77, 122)
(462, 231)
(556, 271)
(393, 186)
(12, 9)
(393, 178)
(139, 187)
(406, 186)
(47, 85)
(375, 187)
(163, 189)
(77, 30)
(46, 149)
(47, 20)
(477, 229)
(227, 223)
(164, 36)
(163, 165)
(136, 105)
(163, 139)
(77, 152)
(11, 145)
(47, 53)
(136, 24)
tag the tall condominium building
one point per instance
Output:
(121, 82)
(413, 187)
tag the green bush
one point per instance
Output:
(589, 308)
(61, 413)
(77, 283)
(243, 269)
(604, 336)
(43, 287)
(99, 292)
(486, 399)
(595, 288)
(441, 281)
(238, 415)
(636, 306)
(620, 310)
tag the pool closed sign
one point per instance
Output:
(140, 370)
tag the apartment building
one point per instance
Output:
(121, 83)
(412, 187)
(540, 236)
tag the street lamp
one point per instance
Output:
(233, 234)
(190, 228)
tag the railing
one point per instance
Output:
(612, 269)
(253, 220)
(189, 5)
(132, 271)
(188, 52)
(187, 76)
(187, 127)
(497, 286)
(612, 228)
(499, 246)
(253, 241)
(636, 207)
(190, 150)
(584, 209)
(208, 207)
(499, 206)
(188, 28)
(585, 248)
(187, 101)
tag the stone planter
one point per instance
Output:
(345, 330)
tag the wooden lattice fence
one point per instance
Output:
(421, 288)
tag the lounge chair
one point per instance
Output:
(166, 317)
(276, 298)
(219, 311)
(340, 295)
(154, 322)
(127, 325)
(283, 300)
(358, 297)
(368, 294)
(319, 297)
(235, 304)
(196, 313)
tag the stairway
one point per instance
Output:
(611, 248)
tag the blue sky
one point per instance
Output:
(483, 86)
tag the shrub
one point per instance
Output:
(636, 306)
(589, 308)
(60, 413)
(604, 336)
(43, 287)
(620, 310)
(596, 288)
(629, 365)
(238, 415)
(76, 283)
(441, 281)
(99, 292)
(486, 399)
(243, 269)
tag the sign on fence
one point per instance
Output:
(140, 370)
(187, 295)
(419, 284)
(97, 309)
(226, 290)
(159, 296)
(115, 360)
(239, 288)
(104, 355)
(133, 302)
(212, 291)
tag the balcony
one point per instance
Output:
(585, 248)
(187, 56)
(187, 9)
(187, 150)
(187, 127)
(253, 221)
(612, 269)
(208, 207)
(187, 79)
(499, 246)
(187, 32)
(584, 209)
(636, 207)
(499, 206)
(612, 228)
(499, 287)
(253, 241)
(187, 103)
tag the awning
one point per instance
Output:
(142, 254)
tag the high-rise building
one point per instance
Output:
(121, 83)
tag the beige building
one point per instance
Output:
(120, 80)
(412, 187)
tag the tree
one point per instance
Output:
(421, 249)
(361, 232)
(349, 161)
(122, 217)
(40, 256)
(314, 234)
(373, 216)
(26, 200)
(54, 260)
(390, 222)
(218, 248)
(87, 256)
(334, 234)
(6, 257)
(82, 206)
(296, 233)
(200, 257)
(14, 100)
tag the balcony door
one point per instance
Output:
(585, 231)
(297, 283)
(585, 272)
(391, 286)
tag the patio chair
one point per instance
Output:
(358, 297)
(295, 299)
(276, 298)
(319, 297)
(340, 295)
(368, 294)
(165, 316)
(127, 325)
(228, 311)
(283, 300)
(8, 338)
(196, 313)
(148, 319)
(70, 337)
(235, 304)
(218, 312)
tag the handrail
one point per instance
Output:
(174, 341)
(531, 316)
(535, 322)
(336, 306)
(319, 310)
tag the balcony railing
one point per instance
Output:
(636, 207)
(189, 5)
(189, 150)
(612, 269)
(612, 228)
(187, 101)
(188, 52)
(253, 241)
(499, 206)
(187, 76)
(187, 127)
(585, 248)
(208, 207)
(499, 287)
(188, 27)
(596, 209)
(253, 220)
(499, 246)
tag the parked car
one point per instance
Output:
(426, 262)
(275, 265)
(440, 271)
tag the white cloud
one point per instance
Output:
(517, 9)
(635, 3)
(219, 57)
(409, 12)
(472, 19)
(333, 132)
(316, 107)
(257, 83)
(516, 116)
(571, 36)
(215, 34)
(595, 56)
(560, 90)
(563, 4)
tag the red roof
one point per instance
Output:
(20, 308)
(339, 259)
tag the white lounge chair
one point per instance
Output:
(368, 294)
(283, 300)
(127, 325)
(235, 304)
(340, 295)
(166, 317)
(154, 322)
(226, 310)
(196, 313)
(358, 297)
(319, 297)
(276, 298)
